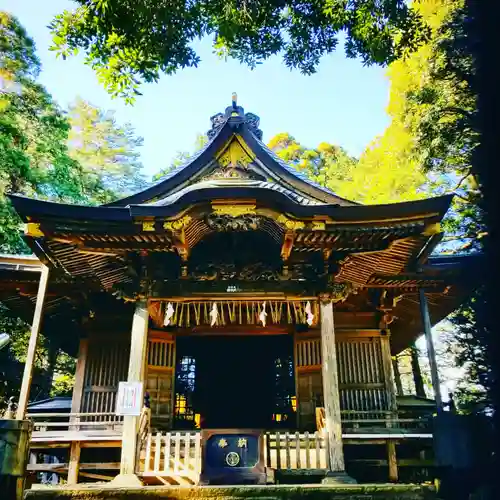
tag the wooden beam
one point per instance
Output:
(136, 373)
(388, 375)
(287, 247)
(431, 353)
(392, 461)
(30, 357)
(74, 462)
(76, 400)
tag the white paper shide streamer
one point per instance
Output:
(309, 314)
(168, 314)
(263, 315)
(214, 314)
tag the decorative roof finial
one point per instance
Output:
(234, 99)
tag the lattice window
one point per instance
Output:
(285, 401)
(308, 353)
(161, 353)
(185, 382)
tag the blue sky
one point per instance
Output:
(344, 103)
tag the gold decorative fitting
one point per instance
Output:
(290, 223)
(33, 229)
(318, 225)
(148, 225)
(233, 210)
(432, 229)
(235, 153)
(177, 224)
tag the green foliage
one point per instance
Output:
(128, 42)
(33, 130)
(433, 108)
(106, 152)
(87, 158)
(327, 164)
(181, 157)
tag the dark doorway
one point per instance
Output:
(235, 382)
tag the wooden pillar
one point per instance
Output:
(431, 353)
(76, 400)
(136, 373)
(417, 373)
(74, 462)
(30, 357)
(392, 460)
(385, 346)
(397, 377)
(333, 423)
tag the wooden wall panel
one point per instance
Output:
(107, 364)
(361, 375)
(362, 381)
(309, 397)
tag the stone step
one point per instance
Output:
(274, 492)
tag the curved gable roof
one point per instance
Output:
(225, 126)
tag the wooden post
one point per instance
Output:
(74, 462)
(136, 373)
(431, 353)
(387, 366)
(76, 400)
(392, 460)
(30, 357)
(333, 424)
(417, 373)
(397, 377)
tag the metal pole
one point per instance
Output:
(431, 353)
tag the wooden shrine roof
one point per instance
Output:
(95, 243)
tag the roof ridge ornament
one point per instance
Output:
(237, 114)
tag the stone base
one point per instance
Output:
(338, 478)
(275, 492)
(126, 481)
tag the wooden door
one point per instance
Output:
(160, 381)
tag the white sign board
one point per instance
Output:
(129, 400)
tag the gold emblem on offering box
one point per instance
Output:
(242, 443)
(222, 443)
(232, 459)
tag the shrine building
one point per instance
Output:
(234, 322)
